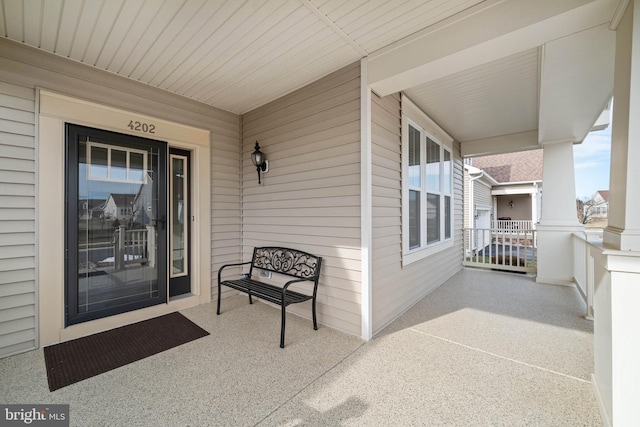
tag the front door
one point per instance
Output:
(116, 223)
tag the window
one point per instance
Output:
(427, 203)
(415, 188)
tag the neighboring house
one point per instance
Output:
(91, 208)
(516, 187)
(478, 205)
(600, 204)
(365, 115)
(119, 206)
(594, 212)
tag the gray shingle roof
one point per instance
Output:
(512, 167)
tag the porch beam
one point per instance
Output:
(473, 38)
(530, 190)
(501, 144)
(576, 83)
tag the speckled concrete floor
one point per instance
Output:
(484, 349)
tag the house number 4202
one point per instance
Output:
(142, 127)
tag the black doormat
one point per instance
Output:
(82, 358)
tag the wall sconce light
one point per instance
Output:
(511, 204)
(259, 161)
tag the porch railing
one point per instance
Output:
(501, 249)
(513, 224)
(587, 247)
(129, 247)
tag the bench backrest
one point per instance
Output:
(287, 261)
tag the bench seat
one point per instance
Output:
(265, 291)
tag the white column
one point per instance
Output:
(495, 211)
(623, 231)
(559, 220)
(534, 206)
(366, 205)
(617, 288)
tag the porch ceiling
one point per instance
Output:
(235, 55)
(476, 66)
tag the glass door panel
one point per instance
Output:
(115, 232)
(179, 215)
(179, 204)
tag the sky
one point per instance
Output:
(591, 161)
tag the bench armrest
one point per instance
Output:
(230, 265)
(291, 282)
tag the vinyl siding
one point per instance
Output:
(481, 197)
(17, 219)
(22, 69)
(396, 289)
(521, 207)
(482, 194)
(310, 197)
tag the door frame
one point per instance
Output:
(54, 110)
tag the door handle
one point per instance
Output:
(162, 221)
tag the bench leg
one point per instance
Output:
(313, 311)
(219, 292)
(250, 300)
(284, 319)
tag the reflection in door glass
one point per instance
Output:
(117, 252)
(179, 206)
(98, 162)
(118, 165)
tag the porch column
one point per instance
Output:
(623, 231)
(534, 206)
(558, 220)
(617, 286)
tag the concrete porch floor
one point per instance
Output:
(484, 349)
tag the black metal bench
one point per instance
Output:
(291, 262)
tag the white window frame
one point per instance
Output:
(416, 118)
(109, 178)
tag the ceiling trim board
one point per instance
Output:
(501, 144)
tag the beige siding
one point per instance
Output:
(395, 289)
(17, 219)
(226, 245)
(521, 207)
(482, 194)
(310, 197)
(22, 69)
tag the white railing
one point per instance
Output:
(513, 224)
(501, 249)
(586, 247)
(129, 247)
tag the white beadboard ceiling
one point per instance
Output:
(233, 54)
(497, 98)
(240, 54)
